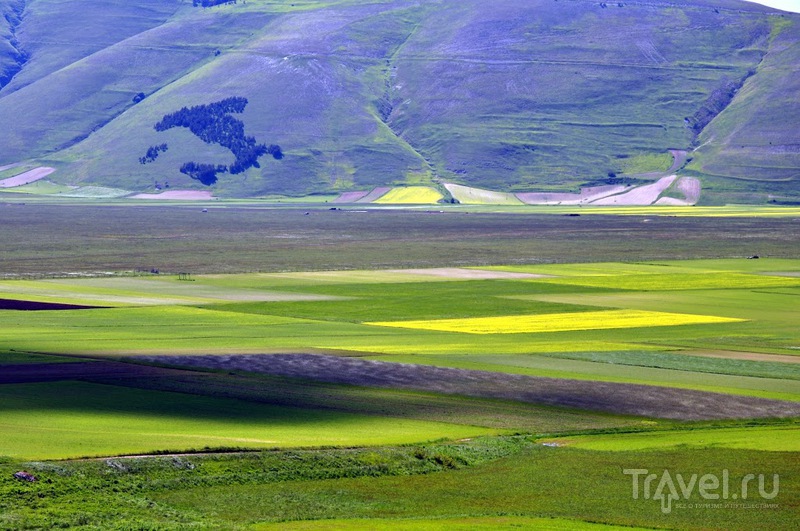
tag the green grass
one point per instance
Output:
(761, 438)
(684, 362)
(395, 403)
(115, 493)
(41, 187)
(463, 524)
(746, 153)
(707, 280)
(495, 483)
(646, 162)
(68, 420)
(12, 358)
(556, 482)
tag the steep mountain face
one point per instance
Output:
(12, 57)
(509, 95)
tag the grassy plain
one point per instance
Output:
(272, 305)
(567, 483)
(762, 438)
(69, 420)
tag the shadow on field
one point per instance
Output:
(626, 399)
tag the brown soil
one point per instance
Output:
(641, 195)
(350, 197)
(377, 193)
(689, 187)
(586, 195)
(627, 399)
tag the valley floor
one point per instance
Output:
(418, 395)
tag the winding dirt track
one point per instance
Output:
(628, 399)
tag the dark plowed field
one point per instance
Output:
(628, 399)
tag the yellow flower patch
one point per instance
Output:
(558, 322)
(422, 195)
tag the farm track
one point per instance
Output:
(627, 399)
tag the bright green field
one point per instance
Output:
(458, 524)
(565, 483)
(762, 438)
(70, 419)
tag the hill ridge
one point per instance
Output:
(531, 96)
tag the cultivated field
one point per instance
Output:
(424, 394)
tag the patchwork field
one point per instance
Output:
(680, 365)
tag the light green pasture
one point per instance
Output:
(137, 291)
(680, 281)
(710, 266)
(499, 523)
(764, 438)
(71, 419)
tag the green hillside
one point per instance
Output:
(529, 95)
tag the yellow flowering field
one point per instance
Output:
(410, 195)
(558, 322)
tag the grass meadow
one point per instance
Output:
(66, 420)
(229, 448)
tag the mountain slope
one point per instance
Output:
(756, 139)
(530, 95)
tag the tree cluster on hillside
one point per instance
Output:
(205, 173)
(152, 153)
(213, 124)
